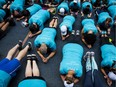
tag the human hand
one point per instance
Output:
(109, 82)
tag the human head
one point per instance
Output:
(16, 14)
(43, 48)
(108, 21)
(63, 30)
(114, 66)
(90, 38)
(33, 28)
(25, 13)
(62, 11)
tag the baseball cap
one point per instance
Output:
(62, 10)
(63, 30)
(75, 1)
(68, 85)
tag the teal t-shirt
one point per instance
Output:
(72, 4)
(4, 79)
(2, 14)
(112, 10)
(93, 1)
(72, 57)
(68, 21)
(108, 55)
(84, 5)
(48, 37)
(32, 83)
(34, 8)
(103, 16)
(63, 5)
(17, 5)
(40, 18)
(2, 2)
(110, 2)
(88, 24)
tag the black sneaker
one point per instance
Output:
(34, 57)
(20, 45)
(30, 46)
(29, 57)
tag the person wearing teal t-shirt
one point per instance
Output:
(66, 26)
(32, 74)
(108, 63)
(17, 7)
(71, 67)
(28, 12)
(63, 9)
(45, 43)
(89, 32)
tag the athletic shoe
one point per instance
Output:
(33, 56)
(77, 32)
(29, 57)
(73, 32)
(30, 46)
(20, 45)
(87, 55)
(92, 54)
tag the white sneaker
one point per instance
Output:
(78, 32)
(73, 32)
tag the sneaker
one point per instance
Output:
(30, 46)
(92, 54)
(29, 57)
(73, 32)
(78, 32)
(34, 57)
(20, 45)
(86, 55)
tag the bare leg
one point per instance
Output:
(5, 26)
(12, 51)
(5, 6)
(22, 53)
(1, 24)
(55, 23)
(28, 71)
(52, 23)
(35, 69)
(8, 7)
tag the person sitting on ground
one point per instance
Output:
(32, 74)
(4, 26)
(9, 66)
(75, 6)
(16, 8)
(45, 43)
(89, 32)
(71, 66)
(36, 22)
(108, 64)
(92, 77)
(28, 12)
(86, 9)
(104, 22)
(63, 9)
(66, 26)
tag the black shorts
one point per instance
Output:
(34, 77)
(105, 40)
(7, 13)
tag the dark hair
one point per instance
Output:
(33, 28)
(18, 15)
(90, 38)
(109, 19)
(87, 9)
(25, 13)
(69, 80)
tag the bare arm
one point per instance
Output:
(18, 19)
(51, 55)
(41, 55)
(98, 28)
(32, 35)
(62, 77)
(76, 80)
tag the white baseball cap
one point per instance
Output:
(63, 30)
(75, 1)
(62, 10)
(68, 85)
